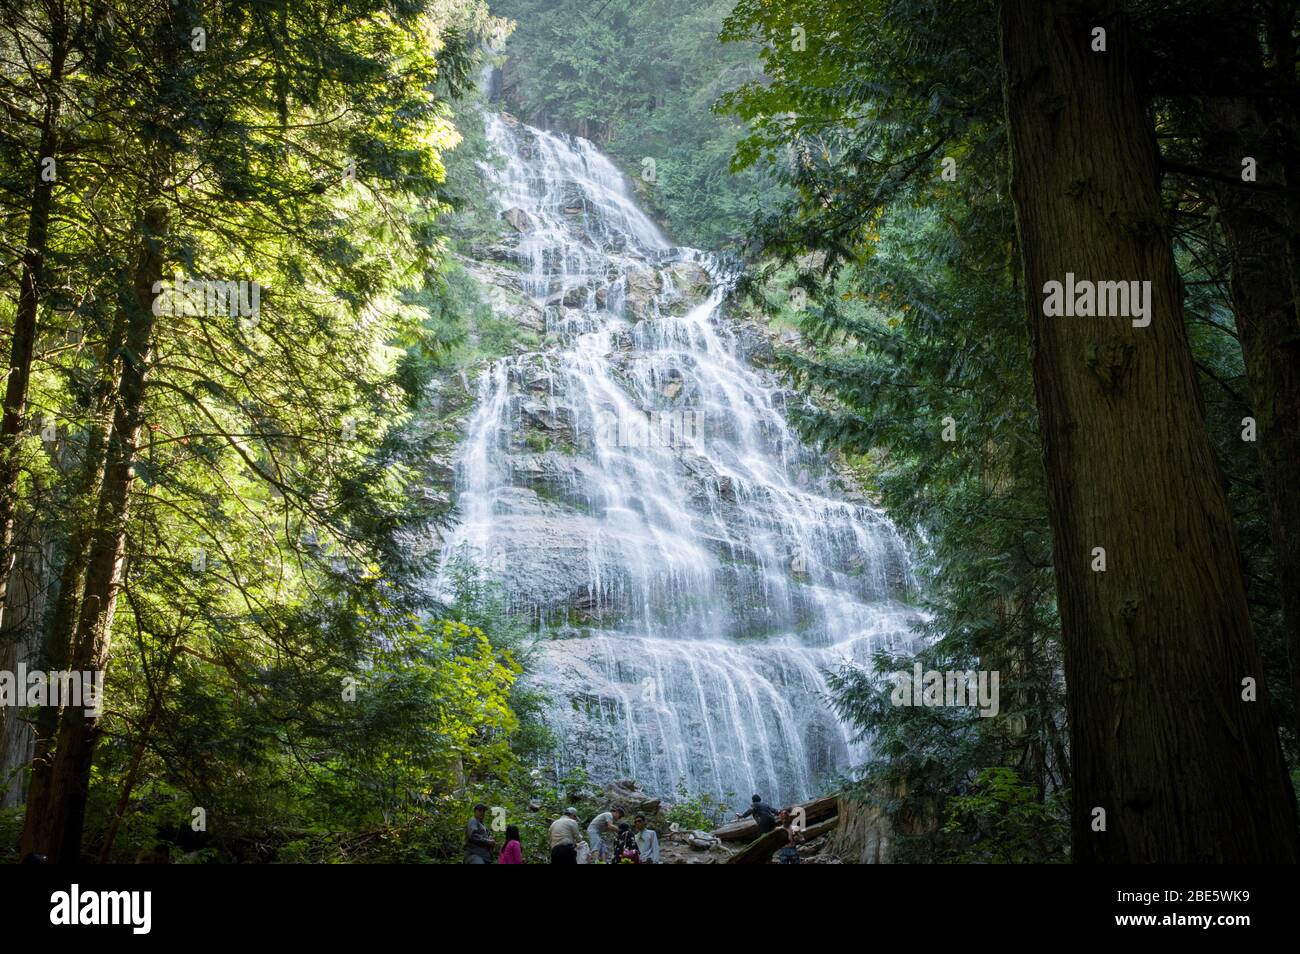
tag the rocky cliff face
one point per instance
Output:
(636, 488)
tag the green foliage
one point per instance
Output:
(315, 762)
(275, 660)
(700, 812)
(1007, 822)
(11, 826)
(915, 356)
(641, 79)
(479, 601)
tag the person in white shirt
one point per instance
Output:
(647, 842)
(596, 828)
(565, 836)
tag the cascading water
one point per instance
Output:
(637, 489)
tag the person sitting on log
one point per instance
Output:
(789, 853)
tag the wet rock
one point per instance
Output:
(527, 468)
(626, 794)
(701, 841)
(642, 288)
(534, 413)
(534, 378)
(762, 354)
(690, 281)
(543, 544)
(492, 253)
(500, 291)
(572, 198)
(518, 219)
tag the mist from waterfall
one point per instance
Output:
(636, 488)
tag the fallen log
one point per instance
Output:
(760, 850)
(821, 828)
(816, 810)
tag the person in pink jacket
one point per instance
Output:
(513, 852)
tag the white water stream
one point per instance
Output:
(637, 487)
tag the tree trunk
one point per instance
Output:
(864, 833)
(1158, 644)
(1264, 307)
(57, 647)
(760, 850)
(1284, 116)
(20, 644)
(156, 692)
(55, 827)
(810, 812)
(31, 286)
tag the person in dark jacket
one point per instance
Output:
(764, 815)
(480, 846)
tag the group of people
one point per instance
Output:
(609, 840)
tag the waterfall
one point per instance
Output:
(637, 490)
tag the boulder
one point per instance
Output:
(500, 291)
(643, 287)
(701, 840)
(690, 281)
(691, 848)
(492, 253)
(626, 794)
(518, 219)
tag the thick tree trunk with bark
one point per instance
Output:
(1157, 645)
(810, 812)
(761, 849)
(54, 827)
(31, 286)
(864, 833)
(57, 646)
